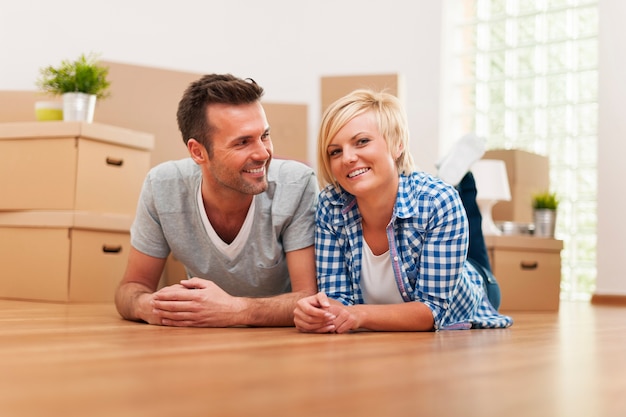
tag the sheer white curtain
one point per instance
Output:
(523, 74)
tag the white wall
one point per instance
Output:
(612, 150)
(287, 45)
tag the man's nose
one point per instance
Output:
(262, 149)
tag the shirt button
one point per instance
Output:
(395, 258)
(404, 294)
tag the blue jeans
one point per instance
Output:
(477, 251)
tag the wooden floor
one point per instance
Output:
(83, 360)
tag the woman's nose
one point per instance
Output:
(349, 156)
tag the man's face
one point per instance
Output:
(242, 148)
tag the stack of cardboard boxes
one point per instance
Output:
(528, 174)
(68, 193)
(528, 268)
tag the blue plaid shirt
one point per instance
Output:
(428, 240)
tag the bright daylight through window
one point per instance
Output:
(523, 74)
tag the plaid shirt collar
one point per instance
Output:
(405, 206)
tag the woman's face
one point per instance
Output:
(360, 160)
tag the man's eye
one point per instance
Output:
(265, 136)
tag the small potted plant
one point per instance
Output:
(545, 205)
(80, 82)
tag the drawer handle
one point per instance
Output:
(118, 162)
(529, 265)
(111, 249)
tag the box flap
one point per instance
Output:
(66, 219)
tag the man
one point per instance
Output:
(243, 228)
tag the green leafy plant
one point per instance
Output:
(84, 75)
(545, 200)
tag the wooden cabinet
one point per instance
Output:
(68, 193)
(528, 270)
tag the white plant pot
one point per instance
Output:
(78, 107)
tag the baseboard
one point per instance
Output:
(613, 300)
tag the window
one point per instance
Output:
(523, 74)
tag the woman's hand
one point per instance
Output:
(319, 314)
(312, 314)
(346, 318)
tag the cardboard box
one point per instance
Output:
(62, 255)
(528, 270)
(528, 173)
(72, 166)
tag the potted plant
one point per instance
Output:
(80, 82)
(545, 205)
(545, 200)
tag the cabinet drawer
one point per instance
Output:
(528, 280)
(61, 264)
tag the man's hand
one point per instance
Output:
(195, 303)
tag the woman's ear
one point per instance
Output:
(399, 152)
(197, 151)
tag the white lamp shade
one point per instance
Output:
(491, 179)
(492, 185)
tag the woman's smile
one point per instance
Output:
(358, 172)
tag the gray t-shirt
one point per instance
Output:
(168, 220)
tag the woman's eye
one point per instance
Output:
(334, 152)
(362, 141)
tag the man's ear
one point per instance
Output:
(197, 151)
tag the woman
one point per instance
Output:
(391, 242)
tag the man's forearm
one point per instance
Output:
(127, 300)
(274, 311)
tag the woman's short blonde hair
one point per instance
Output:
(392, 125)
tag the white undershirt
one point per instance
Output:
(230, 250)
(378, 284)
